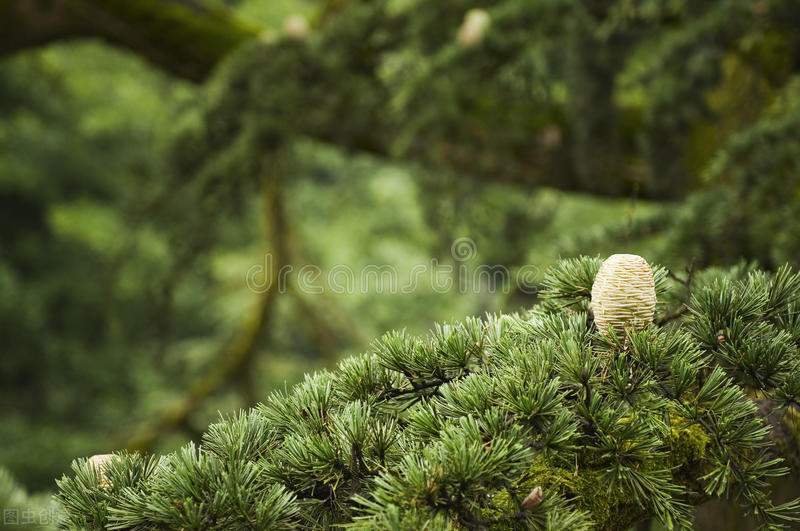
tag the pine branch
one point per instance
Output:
(454, 429)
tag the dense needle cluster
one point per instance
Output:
(529, 421)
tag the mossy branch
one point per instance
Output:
(235, 357)
(184, 37)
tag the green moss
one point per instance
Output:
(687, 455)
(790, 441)
(610, 509)
(687, 445)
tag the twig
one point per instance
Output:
(393, 393)
(686, 305)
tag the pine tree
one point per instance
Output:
(521, 421)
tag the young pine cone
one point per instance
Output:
(623, 294)
(100, 463)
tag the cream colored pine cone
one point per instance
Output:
(623, 294)
(100, 463)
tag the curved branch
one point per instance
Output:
(184, 37)
(235, 357)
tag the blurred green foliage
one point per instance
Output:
(131, 209)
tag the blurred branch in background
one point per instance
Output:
(234, 360)
(510, 107)
(185, 37)
(327, 321)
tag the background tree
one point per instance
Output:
(379, 137)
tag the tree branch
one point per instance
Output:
(234, 358)
(184, 37)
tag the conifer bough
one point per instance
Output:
(522, 421)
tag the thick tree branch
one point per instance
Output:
(184, 37)
(189, 37)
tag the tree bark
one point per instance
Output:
(184, 37)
